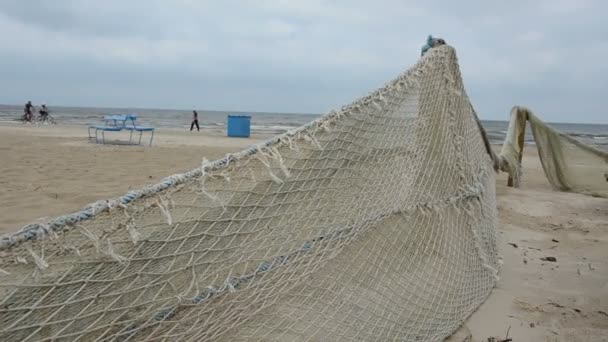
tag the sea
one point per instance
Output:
(270, 123)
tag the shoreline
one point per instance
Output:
(276, 123)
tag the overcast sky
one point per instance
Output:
(305, 56)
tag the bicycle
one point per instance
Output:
(24, 119)
(46, 119)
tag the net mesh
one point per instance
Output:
(375, 222)
(568, 164)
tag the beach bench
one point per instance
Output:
(113, 123)
(117, 123)
(110, 121)
(134, 128)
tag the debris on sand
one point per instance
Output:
(496, 339)
(549, 258)
(512, 244)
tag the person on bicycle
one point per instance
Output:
(27, 111)
(44, 112)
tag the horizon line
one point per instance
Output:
(271, 112)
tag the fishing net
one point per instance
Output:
(569, 164)
(375, 222)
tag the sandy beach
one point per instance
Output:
(565, 300)
(49, 171)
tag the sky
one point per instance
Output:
(302, 56)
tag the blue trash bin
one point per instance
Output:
(239, 126)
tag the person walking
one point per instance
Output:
(194, 121)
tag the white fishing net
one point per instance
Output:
(376, 222)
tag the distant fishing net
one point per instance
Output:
(568, 164)
(375, 222)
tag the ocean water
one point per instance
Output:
(209, 120)
(270, 123)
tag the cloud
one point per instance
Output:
(565, 7)
(531, 36)
(299, 56)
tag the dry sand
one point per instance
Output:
(566, 300)
(53, 170)
(48, 171)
